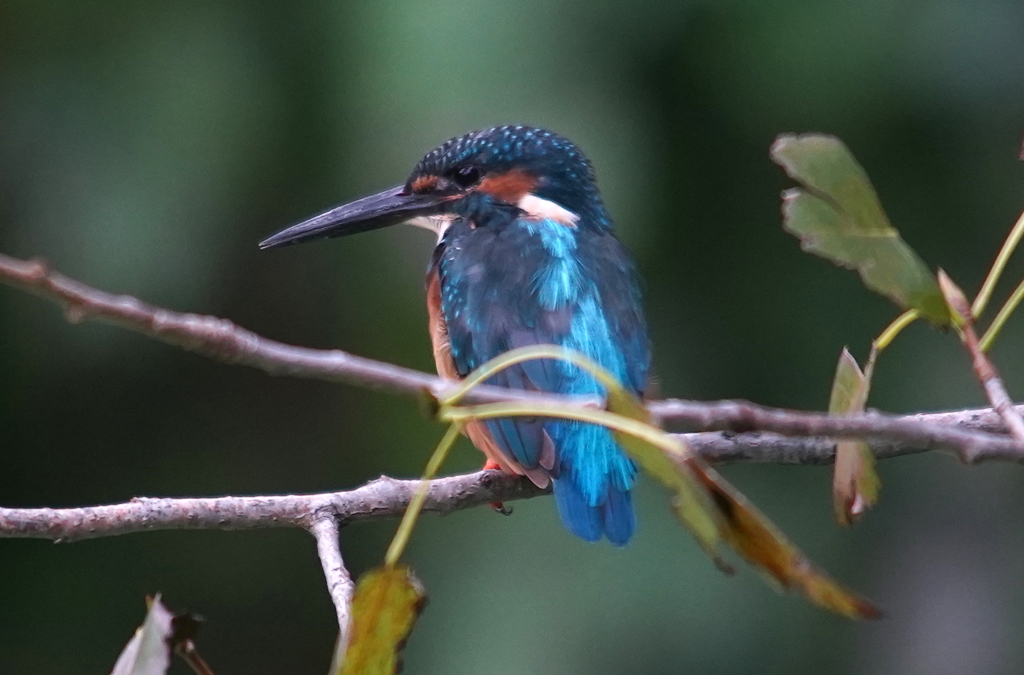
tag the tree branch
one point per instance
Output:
(339, 583)
(884, 433)
(986, 373)
(222, 340)
(382, 498)
(388, 497)
(721, 431)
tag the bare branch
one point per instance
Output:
(911, 432)
(773, 448)
(222, 340)
(384, 497)
(339, 583)
(388, 497)
(986, 373)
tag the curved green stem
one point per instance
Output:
(886, 337)
(1004, 313)
(412, 512)
(533, 352)
(614, 421)
(997, 267)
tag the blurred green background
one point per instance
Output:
(146, 147)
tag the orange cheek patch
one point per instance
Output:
(510, 186)
(424, 184)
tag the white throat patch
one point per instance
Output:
(436, 224)
(536, 208)
(545, 209)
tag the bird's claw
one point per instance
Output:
(501, 508)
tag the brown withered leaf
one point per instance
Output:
(855, 483)
(755, 538)
(716, 514)
(386, 604)
(690, 501)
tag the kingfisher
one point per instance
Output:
(526, 254)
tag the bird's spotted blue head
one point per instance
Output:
(531, 169)
(485, 177)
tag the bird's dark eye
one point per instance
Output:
(466, 176)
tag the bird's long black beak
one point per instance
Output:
(369, 213)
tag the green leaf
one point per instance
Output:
(855, 484)
(149, 650)
(836, 214)
(385, 606)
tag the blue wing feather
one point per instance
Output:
(541, 282)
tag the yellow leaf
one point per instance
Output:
(386, 604)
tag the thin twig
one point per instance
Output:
(772, 448)
(187, 651)
(222, 340)
(912, 430)
(339, 583)
(996, 271)
(992, 332)
(983, 368)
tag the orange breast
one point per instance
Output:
(477, 432)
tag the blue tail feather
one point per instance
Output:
(613, 518)
(582, 519)
(619, 517)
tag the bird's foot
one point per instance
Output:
(497, 506)
(501, 508)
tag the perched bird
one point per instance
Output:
(525, 255)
